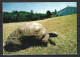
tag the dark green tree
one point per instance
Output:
(55, 12)
(48, 14)
(18, 16)
(31, 11)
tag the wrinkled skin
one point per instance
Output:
(28, 29)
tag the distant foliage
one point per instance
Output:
(48, 14)
(54, 14)
(19, 16)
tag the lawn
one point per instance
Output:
(66, 41)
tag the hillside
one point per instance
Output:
(66, 42)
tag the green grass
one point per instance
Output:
(66, 42)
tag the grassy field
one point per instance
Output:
(66, 42)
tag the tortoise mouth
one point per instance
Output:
(53, 35)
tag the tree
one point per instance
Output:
(55, 12)
(31, 11)
(17, 18)
(31, 15)
(48, 14)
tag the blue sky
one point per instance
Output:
(37, 7)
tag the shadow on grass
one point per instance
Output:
(28, 41)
